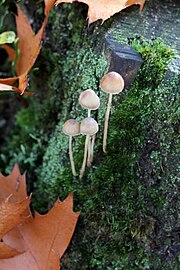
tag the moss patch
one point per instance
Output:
(124, 197)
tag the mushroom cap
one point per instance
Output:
(89, 126)
(89, 100)
(112, 83)
(71, 127)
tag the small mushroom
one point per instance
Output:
(71, 128)
(112, 83)
(88, 127)
(89, 100)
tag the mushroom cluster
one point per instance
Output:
(112, 83)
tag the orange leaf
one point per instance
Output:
(29, 47)
(6, 87)
(12, 214)
(14, 239)
(48, 5)
(48, 236)
(23, 82)
(13, 184)
(7, 251)
(104, 9)
(9, 80)
(44, 238)
(6, 84)
(21, 262)
(29, 44)
(132, 2)
(10, 51)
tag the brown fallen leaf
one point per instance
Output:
(13, 186)
(29, 46)
(10, 51)
(7, 87)
(11, 214)
(7, 251)
(46, 237)
(104, 9)
(48, 5)
(42, 239)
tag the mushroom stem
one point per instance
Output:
(91, 150)
(106, 122)
(85, 156)
(92, 146)
(89, 145)
(89, 113)
(71, 157)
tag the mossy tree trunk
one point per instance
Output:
(128, 198)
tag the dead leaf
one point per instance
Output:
(11, 214)
(47, 238)
(104, 9)
(48, 5)
(10, 51)
(14, 240)
(7, 251)
(13, 185)
(5, 87)
(44, 238)
(8, 87)
(29, 46)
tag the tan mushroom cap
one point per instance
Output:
(89, 100)
(89, 126)
(112, 83)
(71, 127)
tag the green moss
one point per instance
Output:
(3, 14)
(124, 194)
(85, 68)
(34, 124)
(157, 63)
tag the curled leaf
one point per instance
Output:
(29, 46)
(42, 239)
